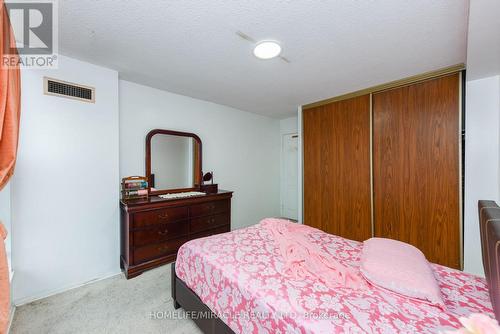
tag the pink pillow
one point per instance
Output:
(401, 268)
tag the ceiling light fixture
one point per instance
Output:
(267, 50)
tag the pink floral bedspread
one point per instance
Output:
(237, 275)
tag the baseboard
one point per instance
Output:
(27, 300)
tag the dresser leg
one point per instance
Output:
(130, 275)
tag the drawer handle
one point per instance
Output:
(164, 232)
(163, 216)
(211, 207)
(212, 220)
(163, 248)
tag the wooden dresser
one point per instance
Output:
(153, 229)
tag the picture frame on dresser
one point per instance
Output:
(153, 229)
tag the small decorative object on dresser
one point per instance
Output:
(134, 187)
(154, 228)
(209, 188)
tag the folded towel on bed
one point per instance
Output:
(303, 258)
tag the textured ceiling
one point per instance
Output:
(191, 47)
(483, 49)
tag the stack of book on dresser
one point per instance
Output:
(134, 187)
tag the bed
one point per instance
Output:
(231, 283)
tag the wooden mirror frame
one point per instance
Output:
(197, 161)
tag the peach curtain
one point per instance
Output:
(10, 104)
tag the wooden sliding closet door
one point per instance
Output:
(337, 168)
(416, 167)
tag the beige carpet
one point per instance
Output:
(114, 305)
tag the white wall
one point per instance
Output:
(481, 161)
(289, 125)
(241, 148)
(65, 190)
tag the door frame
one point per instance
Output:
(282, 170)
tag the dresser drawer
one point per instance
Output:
(209, 208)
(160, 216)
(152, 252)
(160, 233)
(218, 230)
(208, 222)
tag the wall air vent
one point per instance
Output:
(69, 90)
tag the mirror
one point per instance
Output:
(173, 161)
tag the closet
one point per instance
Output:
(386, 162)
(337, 168)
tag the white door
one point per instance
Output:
(289, 176)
